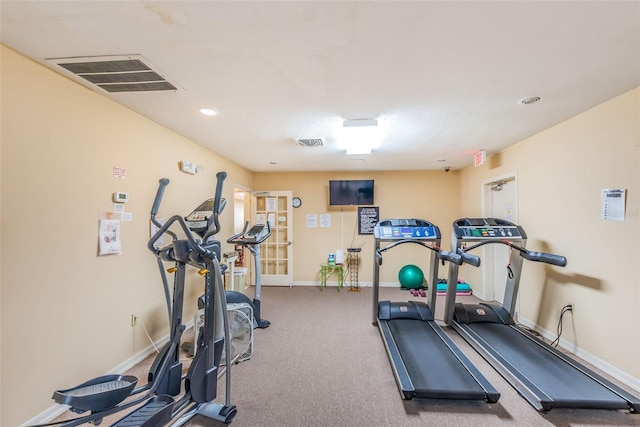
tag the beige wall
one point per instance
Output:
(430, 195)
(66, 311)
(560, 174)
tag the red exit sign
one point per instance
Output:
(479, 158)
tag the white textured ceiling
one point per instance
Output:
(443, 77)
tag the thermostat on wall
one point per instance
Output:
(119, 197)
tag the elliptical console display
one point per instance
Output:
(256, 234)
(203, 216)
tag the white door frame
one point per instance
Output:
(487, 255)
(237, 228)
(277, 241)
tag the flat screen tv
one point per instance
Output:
(351, 192)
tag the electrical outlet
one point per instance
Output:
(573, 307)
(134, 319)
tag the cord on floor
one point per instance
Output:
(148, 336)
(567, 308)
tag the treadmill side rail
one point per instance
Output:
(492, 395)
(407, 390)
(525, 388)
(633, 402)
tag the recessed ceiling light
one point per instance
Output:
(528, 100)
(208, 112)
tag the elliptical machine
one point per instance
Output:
(106, 395)
(201, 380)
(200, 220)
(251, 240)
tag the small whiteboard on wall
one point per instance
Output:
(368, 217)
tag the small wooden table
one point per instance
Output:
(327, 270)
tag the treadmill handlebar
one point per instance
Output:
(470, 259)
(545, 257)
(451, 257)
(443, 255)
(552, 259)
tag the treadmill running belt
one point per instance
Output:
(565, 385)
(434, 370)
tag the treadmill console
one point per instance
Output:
(487, 229)
(406, 229)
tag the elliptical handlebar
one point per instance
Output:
(196, 244)
(156, 202)
(215, 226)
(163, 182)
(235, 236)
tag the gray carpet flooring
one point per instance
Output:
(323, 363)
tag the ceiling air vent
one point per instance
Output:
(528, 100)
(129, 73)
(312, 142)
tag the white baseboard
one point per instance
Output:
(605, 367)
(57, 409)
(478, 295)
(346, 284)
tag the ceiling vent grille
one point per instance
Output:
(528, 100)
(311, 142)
(130, 73)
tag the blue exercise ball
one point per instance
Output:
(411, 276)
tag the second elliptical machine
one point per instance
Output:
(251, 240)
(201, 219)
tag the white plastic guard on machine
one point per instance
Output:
(240, 327)
(239, 280)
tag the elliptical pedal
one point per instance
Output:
(98, 394)
(156, 412)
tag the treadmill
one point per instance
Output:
(425, 361)
(544, 376)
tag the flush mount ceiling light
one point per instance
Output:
(208, 112)
(360, 136)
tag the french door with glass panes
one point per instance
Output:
(276, 253)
